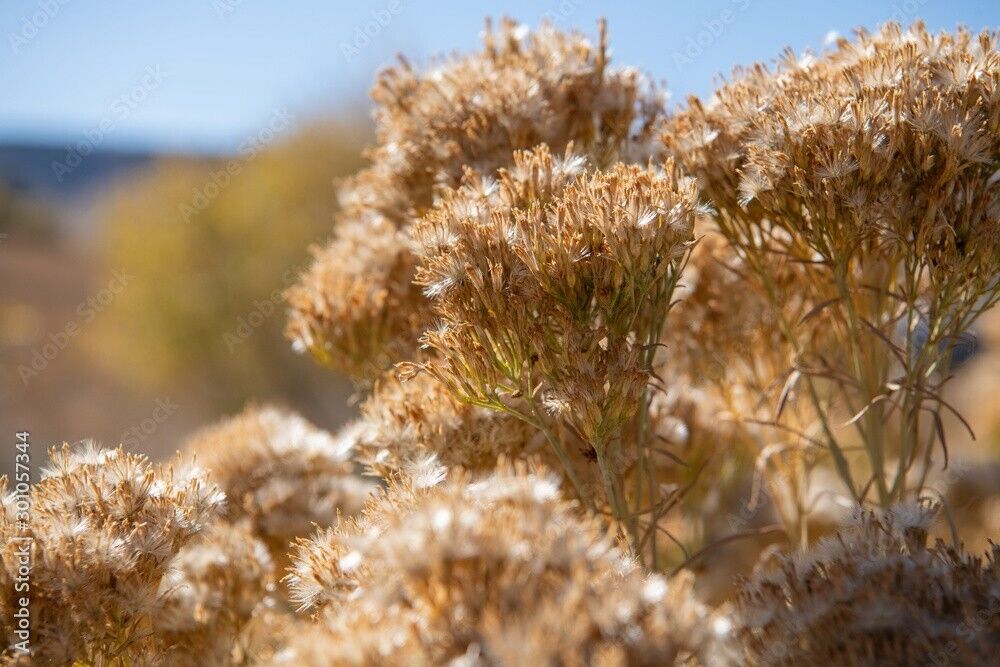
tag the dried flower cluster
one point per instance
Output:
(105, 526)
(281, 474)
(209, 595)
(875, 165)
(875, 593)
(403, 424)
(497, 570)
(356, 309)
(545, 283)
(551, 284)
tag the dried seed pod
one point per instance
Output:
(355, 309)
(104, 527)
(874, 593)
(490, 570)
(282, 475)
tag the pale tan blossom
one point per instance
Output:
(493, 570)
(874, 593)
(104, 527)
(281, 474)
(355, 309)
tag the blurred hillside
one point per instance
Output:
(28, 170)
(140, 295)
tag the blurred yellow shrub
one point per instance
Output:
(212, 245)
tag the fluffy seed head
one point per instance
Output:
(210, 592)
(888, 144)
(104, 526)
(547, 280)
(405, 423)
(281, 474)
(489, 570)
(355, 309)
(874, 591)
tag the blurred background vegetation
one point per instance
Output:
(197, 319)
(206, 301)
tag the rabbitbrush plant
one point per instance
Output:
(873, 168)
(582, 329)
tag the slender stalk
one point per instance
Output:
(618, 511)
(907, 436)
(646, 474)
(539, 422)
(840, 461)
(872, 437)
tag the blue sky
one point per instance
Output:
(207, 74)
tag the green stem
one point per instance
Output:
(872, 437)
(539, 423)
(839, 460)
(611, 488)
